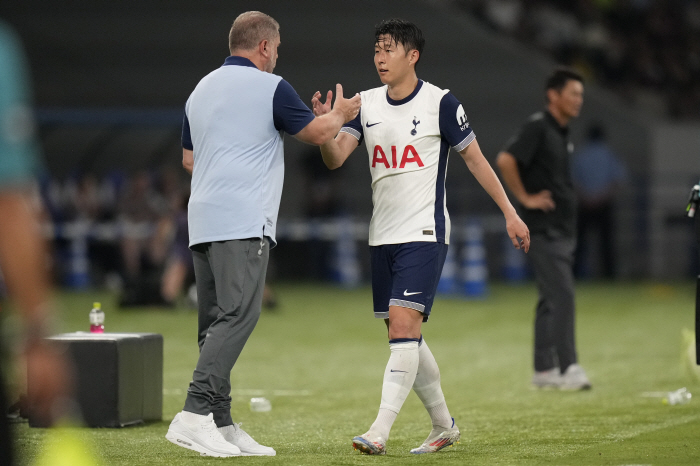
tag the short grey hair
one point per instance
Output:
(250, 28)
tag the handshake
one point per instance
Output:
(349, 108)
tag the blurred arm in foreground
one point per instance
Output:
(22, 249)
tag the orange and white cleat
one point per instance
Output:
(369, 444)
(439, 439)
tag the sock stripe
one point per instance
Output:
(403, 340)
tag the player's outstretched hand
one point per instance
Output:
(518, 232)
(321, 108)
(349, 107)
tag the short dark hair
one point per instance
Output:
(250, 28)
(402, 32)
(558, 79)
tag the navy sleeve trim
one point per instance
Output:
(354, 127)
(454, 125)
(289, 112)
(186, 136)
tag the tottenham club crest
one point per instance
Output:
(416, 121)
(462, 118)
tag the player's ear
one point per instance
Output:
(413, 56)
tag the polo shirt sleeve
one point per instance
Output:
(186, 136)
(454, 126)
(354, 128)
(288, 111)
(523, 146)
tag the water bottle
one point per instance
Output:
(260, 405)
(677, 397)
(97, 319)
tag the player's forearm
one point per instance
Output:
(331, 153)
(488, 180)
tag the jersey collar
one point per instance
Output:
(240, 61)
(405, 99)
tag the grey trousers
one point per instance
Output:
(552, 261)
(230, 278)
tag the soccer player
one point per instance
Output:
(408, 126)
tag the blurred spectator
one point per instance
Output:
(139, 209)
(179, 269)
(646, 50)
(597, 174)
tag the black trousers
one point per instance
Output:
(552, 262)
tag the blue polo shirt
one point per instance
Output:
(234, 123)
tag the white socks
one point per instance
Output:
(411, 366)
(399, 376)
(427, 387)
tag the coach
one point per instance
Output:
(233, 147)
(535, 166)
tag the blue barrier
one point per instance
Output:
(474, 270)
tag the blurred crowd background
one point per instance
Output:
(111, 80)
(647, 51)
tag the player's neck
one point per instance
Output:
(403, 89)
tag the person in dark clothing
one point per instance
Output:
(597, 173)
(535, 167)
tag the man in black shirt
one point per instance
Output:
(535, 167)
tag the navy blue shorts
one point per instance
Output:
(406, 275)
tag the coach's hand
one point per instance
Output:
(348, 107)
(540, 201)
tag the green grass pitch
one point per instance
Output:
(320, 359)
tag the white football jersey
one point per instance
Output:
(408, 142)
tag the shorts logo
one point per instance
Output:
(428, 232)
(406, 293)
(373, 124)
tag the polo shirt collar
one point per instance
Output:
(405, 99)
(562, 129)
(240, 61)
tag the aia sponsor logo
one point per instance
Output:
(410, 155)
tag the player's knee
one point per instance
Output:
(403, 330)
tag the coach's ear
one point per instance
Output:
(263, 49)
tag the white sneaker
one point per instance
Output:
(202, 437)
(550, 379)
(438, 439)
(574, 378)
(240, 438)
(369, 444)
